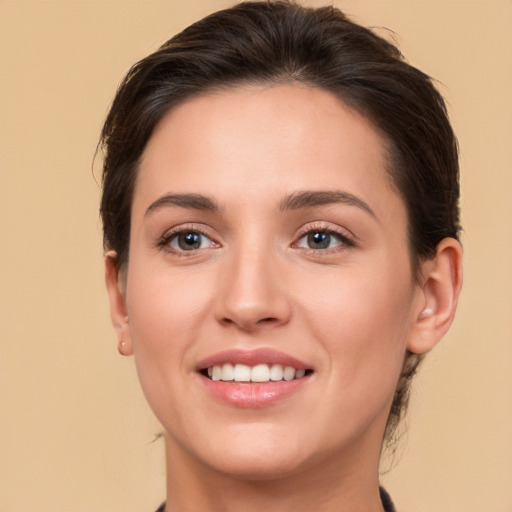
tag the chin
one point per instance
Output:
(253, 452)
(256, 452)
(253, 467)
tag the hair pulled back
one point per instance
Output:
(281, 42)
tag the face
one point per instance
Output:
(267, 243)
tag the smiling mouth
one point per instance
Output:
(259, 373)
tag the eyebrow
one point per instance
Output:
(295, 201)
(194, 201)
(308, 199)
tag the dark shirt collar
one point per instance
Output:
(384, 496)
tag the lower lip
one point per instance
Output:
(253, 395)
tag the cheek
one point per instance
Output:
(164, 306)
(363, 324)
(165, 316)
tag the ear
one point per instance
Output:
(441, 282)
(117, 298)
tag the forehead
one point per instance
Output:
(263, 139)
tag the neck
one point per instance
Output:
(333, 486)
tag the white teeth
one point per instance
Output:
(258, 373)
(228, 372)
(276, 372)
(242, 373)
(217, 373)
(289, 373)
(299, 374)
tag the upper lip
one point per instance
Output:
(252, 358)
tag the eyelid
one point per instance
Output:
(164, 241)
(346, 238)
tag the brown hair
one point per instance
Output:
(282, 42)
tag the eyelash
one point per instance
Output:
(166, 240)
(344, 240)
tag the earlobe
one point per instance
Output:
(440, 289)
(117, 300)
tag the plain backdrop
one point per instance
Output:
(75, 432)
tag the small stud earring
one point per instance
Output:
(121, 347)
(427, 312)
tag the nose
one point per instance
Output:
(252, 292)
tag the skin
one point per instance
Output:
(350, 310)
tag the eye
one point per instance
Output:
(321, 239)
(188, 240)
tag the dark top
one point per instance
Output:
(384, 496)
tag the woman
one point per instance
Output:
(280, 211)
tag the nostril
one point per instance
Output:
(267, 320)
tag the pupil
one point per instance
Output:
(319, 240)
(189, 241)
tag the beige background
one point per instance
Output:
(75, 433)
